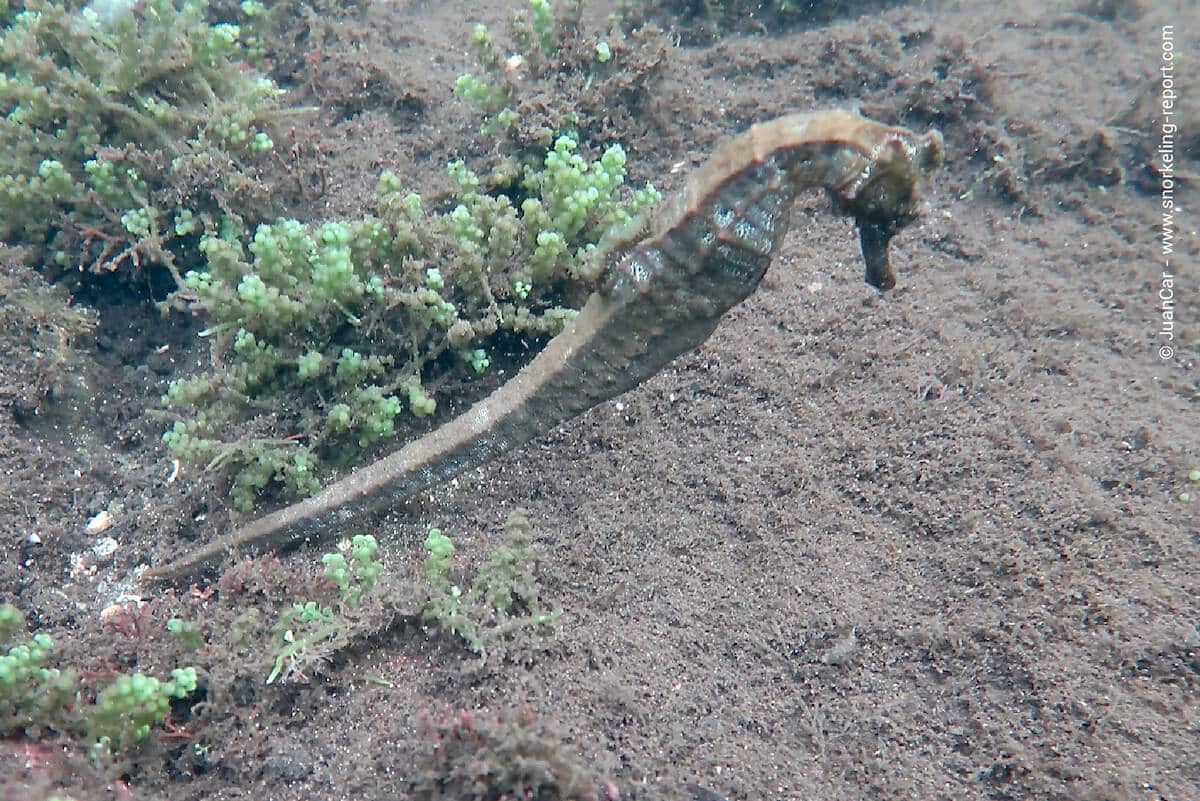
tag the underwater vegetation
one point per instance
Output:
(137, 136)
(321, 334)
(35, 696)
(125, 131)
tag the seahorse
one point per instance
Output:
(703, 253)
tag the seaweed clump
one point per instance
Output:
(36, 699)
(322, 334)
(126, 129)
(502, 599)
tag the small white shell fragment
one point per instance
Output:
(105, 547)
(101, 522)
(35, 539)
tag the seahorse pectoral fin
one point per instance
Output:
(874, 236)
